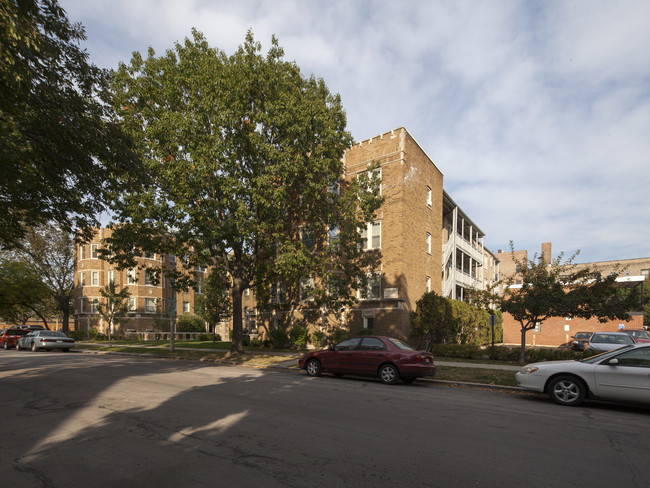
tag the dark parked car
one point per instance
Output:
(579, 340)
(45, 339)
(639, 335)
(385, 357)
(11, 335)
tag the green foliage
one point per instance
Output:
(95, 335)
(59, 144)
(241, 156)
(188, 322)
(214, 304)
(339, 335)
(279, 338)
(77, 335)
(299, 336)
(506, 353)
(318, 339)
(443, 320)
(208, 337)
(22, 293)
(114, 306)
(562, 289)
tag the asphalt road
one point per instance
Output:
(75, 420)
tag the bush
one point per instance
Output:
(463, 351)
(256, 343)
(188, 322)
(318, 339)
(279, 338)
(299, 336)
(95, 335)
(77, 335)
(340, 335)
(207, 336)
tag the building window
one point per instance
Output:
(150, 305)
(428, 284)
(429, 197)
(372, 291)
(247, 293)
(332, 235)
(172, 259)
(111, 276)
(82, 252)
(130, 277)
(132, 306)
(200, 269)
(428, 241)
(93, 251)
(148, 277)
(82, 279)
(94, 303)
(645, 273)
(198, 288)
(371, 236)
(186, 307)
(149, 255)
(368, 323)
(82, 305)
(94, 278)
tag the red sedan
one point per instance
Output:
(385, 357)
(9, 337)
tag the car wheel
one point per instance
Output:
(408, 380)
(6, 346)
(65, 350)
(388, 374)
(313, 367)
(567, 390)
(34, 347)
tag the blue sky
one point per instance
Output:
(536, 112)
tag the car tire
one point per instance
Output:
(567, 390)
(6, 346)
(34, 347)
(388, 374)
(17, 346)
(65, 350)
(313, 367)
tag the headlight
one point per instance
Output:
(528, 369)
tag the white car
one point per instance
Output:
(622, 374)
(607, 341)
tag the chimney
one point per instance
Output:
(546, 252)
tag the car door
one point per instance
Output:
(625, 376)
(340, 358)
(372, 352)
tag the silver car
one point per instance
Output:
(45, 339)
(606, 341)
(622, 374)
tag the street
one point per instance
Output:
(75, 419)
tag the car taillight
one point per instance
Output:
(48, 340)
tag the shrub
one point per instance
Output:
(279, 338)
(95, 335)
(299, 336)
(256, 343)
(188, 322)
(318, 339)
(340, 335)
(77, 335)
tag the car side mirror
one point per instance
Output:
(612, 362)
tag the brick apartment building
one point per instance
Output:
(417, 230)
(557, 331)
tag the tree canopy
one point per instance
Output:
(563, 289)
(244, 160)
(60, 152)
(22, 293)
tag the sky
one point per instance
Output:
(536, 112)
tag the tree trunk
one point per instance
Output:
(237, 346)
(522, 353)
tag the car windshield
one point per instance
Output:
(603, 355)
(401, 345)
(640, 334)
(612, 339)
(582, 335)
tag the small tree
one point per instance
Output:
(214, 305)
(22, 293)
(433, 321)
(114, 307)
(188, 322)
(562, 289)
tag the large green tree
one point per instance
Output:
(22, 293)
(562, 289)
(243, 154)
(50, 251)
(59, 151)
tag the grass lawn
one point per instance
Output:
(476, 375)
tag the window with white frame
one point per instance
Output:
(172, 259)
(198, 287)
(371, 236)
(82, 251)
(149, 255)
(150, 305)
(130, 276)
(82, 278)
(94, 278)
(93, 251)
(428, 284)
(372, 290)
(132, 304)
(83, 305)
(186, 307)
(429, 197)
(428, 241)
(94, 304)
(111, 276)
(247, 293)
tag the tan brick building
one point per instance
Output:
(149, 303)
